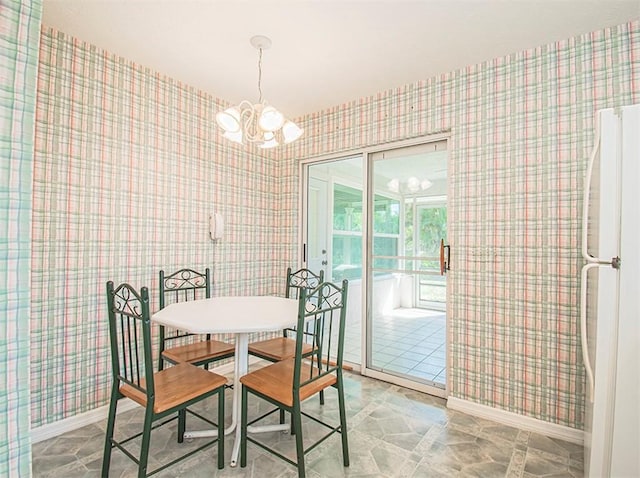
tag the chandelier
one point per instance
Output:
(258, 123)
(411, 186)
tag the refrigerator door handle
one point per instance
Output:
(583, 326)
(614, 261)
(587, 189)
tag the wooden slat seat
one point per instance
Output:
(200, 352)
(276, 381)
(277, 349)
(175, 386)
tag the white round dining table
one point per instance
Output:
(239, 315)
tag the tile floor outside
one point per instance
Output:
(393, 432)
(407, 341)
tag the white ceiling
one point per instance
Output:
(324, 52)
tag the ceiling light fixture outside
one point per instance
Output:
(257, 123)
(411, 186)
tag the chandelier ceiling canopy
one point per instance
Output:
(258, 123)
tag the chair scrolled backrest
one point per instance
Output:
(302, 279)
(130, 336)
(180, 286)
(321, 316)
(184, 284)
(298, 280)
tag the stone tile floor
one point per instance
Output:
(393, 432)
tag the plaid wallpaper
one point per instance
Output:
(19, 35)
(128, 166)
(521, 129)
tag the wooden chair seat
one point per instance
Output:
(277, 349)
(199, 353)
(175, 386)
(276, 381)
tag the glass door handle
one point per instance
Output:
(445, 257)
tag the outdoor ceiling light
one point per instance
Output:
(412, 185)
(258, 123)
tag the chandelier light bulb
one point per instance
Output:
(394, 185)
(270, 140)
(291, 132)
(413, 184)
(270, 119)
(229, 120)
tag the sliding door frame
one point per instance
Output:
(367, 182)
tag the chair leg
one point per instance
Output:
(111, 422)
(293, 428)
(343, 421)
(319, 361)
(146, 440)
(297, 420)
(221, 428)
(243, 428)
(182, 424)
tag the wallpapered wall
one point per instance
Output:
(521, 129)
(19, 34)
(128, 167)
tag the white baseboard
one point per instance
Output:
(552, 430)
(78, 421)
(96, 415)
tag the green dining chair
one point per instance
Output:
(183, 285)
(284, 347)
(287, 383)
(162, 393)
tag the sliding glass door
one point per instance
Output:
(406, 320)
(430, 229)
(384, 233)
(334, 235)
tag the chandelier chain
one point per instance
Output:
(260, 75)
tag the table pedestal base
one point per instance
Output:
(241, 368)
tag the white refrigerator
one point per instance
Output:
(610, 296)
